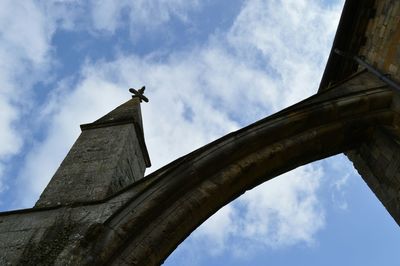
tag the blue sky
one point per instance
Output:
(210, 67)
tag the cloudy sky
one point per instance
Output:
(210, 67)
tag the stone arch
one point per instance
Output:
(170, 203)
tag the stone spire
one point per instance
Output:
(109, 155)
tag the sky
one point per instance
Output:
(210, 67)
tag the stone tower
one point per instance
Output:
(109, 155)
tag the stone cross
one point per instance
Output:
(139, 94)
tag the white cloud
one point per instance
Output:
(338, 193)
(276, 214)
(110, 15)
(24, 58)
(26, 55)
(218, 231)
(23, 50)
(272, 56)
(288, 205)
(191, 103)
(339, 181)
(25, 33)
(293, 39)
(292, 36)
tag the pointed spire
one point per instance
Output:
(109, 155)
(128, 112)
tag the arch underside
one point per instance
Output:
(171, 202)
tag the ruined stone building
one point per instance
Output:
(100, 209)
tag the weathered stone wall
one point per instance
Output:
(378, 159)
(101, 162)
(382, 46)
(378, 162)
(39, 236)
(109, 155)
